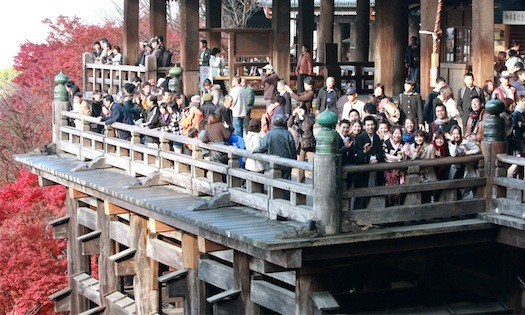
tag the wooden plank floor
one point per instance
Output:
(167, 203)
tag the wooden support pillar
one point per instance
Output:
(76, 262)
(326, 29)
(158, 19)
(146, 298)
(242, 278)
(281, 38)
(428, 17)
(195, 297)
(305, 284)
(189, 50)
(483, 39)
(327, 171)
(213, 20)
(362, 25)
(391, 42)
(131, 31)
(493, 144)
(107, 276)
(305, 25)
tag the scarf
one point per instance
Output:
(443, 149)
(408, 137)
(475, 117)
(442, 121)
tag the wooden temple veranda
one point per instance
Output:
(175, 233)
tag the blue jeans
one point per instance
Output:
(238, 125)
(414, 74)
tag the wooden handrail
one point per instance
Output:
(511, 159)
(378, 167)
(208, 146)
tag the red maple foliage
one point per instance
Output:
(33, 263)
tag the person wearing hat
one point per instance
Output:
(519, 85)
(207, 106)
(306, 96)
(410, 103)
(158, 50)
(505, 90)
(193, 116)
(352, 103)
(269, 80)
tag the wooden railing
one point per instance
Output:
(266, 191)
(358, 74)
(195, 173)
(111, 78)
(417, 200)
(508, 193)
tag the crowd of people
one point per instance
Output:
(373, 130)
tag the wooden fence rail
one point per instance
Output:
(268, 191)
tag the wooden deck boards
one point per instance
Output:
(240, 223)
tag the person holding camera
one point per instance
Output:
(269, 80)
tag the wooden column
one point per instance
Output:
(305, 25)
(326, 29)
(213, 20)
(157, 18)
(362, 25)
(146, 298)
(281, 38)
(189, 50)
(196, 298)
(76, 262)
(131, 31)
(242, 278)
(305, 284)
(483, 39)
(428, 17)
(391, 42)
(107, 277)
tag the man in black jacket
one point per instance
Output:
(117, 113)
(465, 95)
(369, 150)
(328, 96)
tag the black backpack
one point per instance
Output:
(166, 58)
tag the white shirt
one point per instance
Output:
(357, 105)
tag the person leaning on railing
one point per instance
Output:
(459, 146)
(216, 133)
(395, 152)
(115, 112)
(253, 140)
(279, 142)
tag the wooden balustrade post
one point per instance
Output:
(493, 143)
(327, 176)
(60, 104)
(86, 58)
(151, 69)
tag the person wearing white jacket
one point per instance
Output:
(238, 105)
(459, 146)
